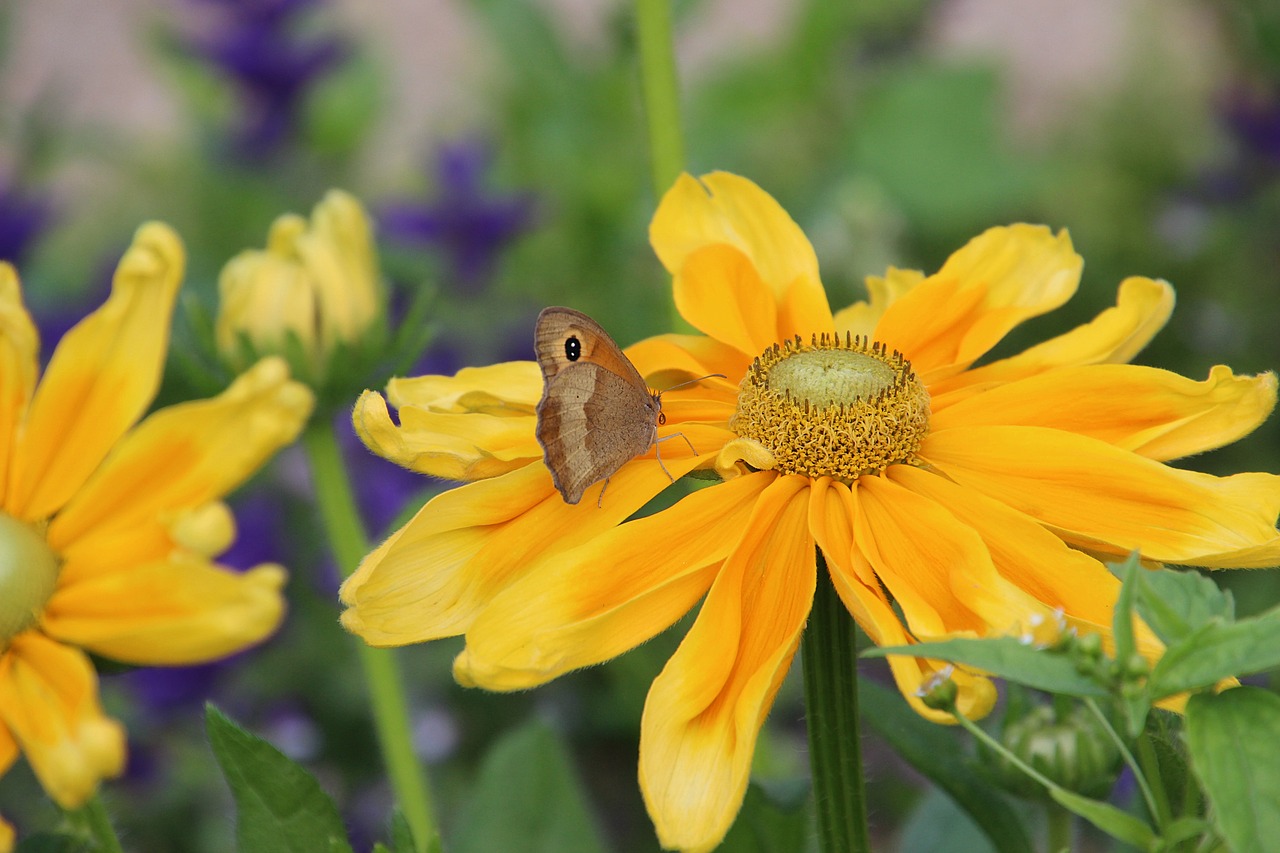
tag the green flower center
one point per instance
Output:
(28, 572)
(837, 408)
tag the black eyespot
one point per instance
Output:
(572, 348)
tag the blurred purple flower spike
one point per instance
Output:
(467, 222)
(24, 218)
(260, 50)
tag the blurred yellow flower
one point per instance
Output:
(109, 526)
(947, 499)
(6, 837)
(314, 288)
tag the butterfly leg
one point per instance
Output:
(600, 500)
(657, 451)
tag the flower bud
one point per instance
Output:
(1072, 749)
(314, 290)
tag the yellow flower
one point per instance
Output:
(947, 499)
(6, 837)
(108, 525)
(314, 287)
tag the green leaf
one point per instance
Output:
(50, 842)
(1122, 616)
(771, 819)
(527, 798)
(1008, 658)
(1234, 741)
(1216, 651)
(1176, 603)
(279, 805)
(935, 751)
(937, 823)
(1108, 818)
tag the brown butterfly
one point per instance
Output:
(596, 413)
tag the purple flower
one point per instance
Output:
(273, 68)
(467, 222)
(24, 217)
(1254, 120)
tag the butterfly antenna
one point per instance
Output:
(692, 381)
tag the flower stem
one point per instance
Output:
(1059, 826)
(831, 708)
(349, 544)
(93, 816)
(659, 82)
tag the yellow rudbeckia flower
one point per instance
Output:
(974, 500)
(108, 526)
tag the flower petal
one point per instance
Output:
(723, 208)
(511, 388)
(693, 355)
(1151, 412)
(6, 836)
(1115, 336)
(19, 349)
(720, 293)
(49, 702)
(1102, 498)
(861, 317)
(179, 611)
(998, 280)
(100, 379)
(608, 595)
(180, 458)
(705, 709)
(832, 518)
(432, 577)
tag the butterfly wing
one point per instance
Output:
(557, 326)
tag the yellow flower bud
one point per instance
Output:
(313, 289)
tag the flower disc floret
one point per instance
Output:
(28, 574)
(834, 407)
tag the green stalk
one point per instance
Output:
(349, 544)
(94, 818)
(831, 709)
(1059, 827)
(659, 82)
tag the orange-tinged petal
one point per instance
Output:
(1115, 336)
(1102, 498)
(184, 456)
(705, 709)
(432, 577)
(49, 702)
(693, 355)
(180, 611)
(594, 602)
(19, 349)
(462, 447)
(1152, 412)
(832, 518)
(998, 280)
(720, 293)
(936, 565)
(513, 387)
(100, 379)
(861, 317)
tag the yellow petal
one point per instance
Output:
(101, 378)
(719, 292)
(19, 349)
(183, 457)
(1155, 413)
(49, 702)
(722, 208)
(6, 836)
(705, 709)
(594, 602)
(180, 611)
(861, 317)
(432, 577)
(1115, 336)
(693, 355)
(512, 387)
(266, 298)
(1102, 498)
(338, 253)
(998, 280)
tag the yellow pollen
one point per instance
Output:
(833, 407)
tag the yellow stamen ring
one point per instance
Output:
(837, 408)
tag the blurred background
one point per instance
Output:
(500, 145)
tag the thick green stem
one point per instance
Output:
(94, 818)
(1060, 827)
(659, 81)
(831, 708)
(349, 544)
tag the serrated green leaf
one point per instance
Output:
(528, 799)
(280, 808)
(1216, 651)
(768, 823)
(1118, 824)
(1234, 741)
(935, 752)
(1176, 603)
(1008, 658)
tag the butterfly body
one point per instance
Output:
(596, 413)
